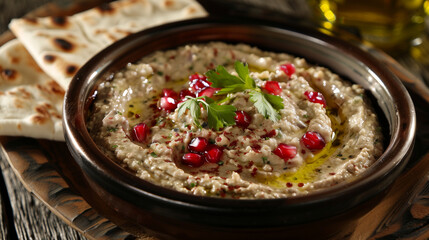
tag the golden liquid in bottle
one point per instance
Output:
(387, 24)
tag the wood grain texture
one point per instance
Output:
(30, 213)
(28, 159)
(4, 208)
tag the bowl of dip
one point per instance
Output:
(230, 128)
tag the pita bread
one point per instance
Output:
(30, 101)
(61, 45)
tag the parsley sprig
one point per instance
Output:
(267, 104)
(218, 116)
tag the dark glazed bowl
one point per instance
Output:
(140, 206)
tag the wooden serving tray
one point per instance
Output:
(403, 213)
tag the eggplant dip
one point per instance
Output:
(234, 121)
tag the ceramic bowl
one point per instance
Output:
(139, 206)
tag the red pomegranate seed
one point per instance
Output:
(209, 92)
(167, 92)
(197, 76)
(199, 82)
(198, 144)
(184, 93)
(192, 159)
(313, 141)
(288, 69)
(140, 132)
(213, 153)
(285, 151)
(270, 134)
(242, 119)
(315, 97)
(198, 85)
(273, 87)
(168, 104)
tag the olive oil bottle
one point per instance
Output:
(387, 24)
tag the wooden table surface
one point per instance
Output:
(24, 216)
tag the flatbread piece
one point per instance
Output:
(30, 100)
(61, 45)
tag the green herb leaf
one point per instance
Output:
(275, 101)
(194, 107)
(222, 78)
(267, 104)
(263, 105)
(218, 116)
(243, 71)
(223, 100)
(231, 89)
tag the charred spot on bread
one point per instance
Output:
(24, 94)
(105, 8)
(168, 3)
(38, 119)
(71, 69)
(9, 74)
(55, 88)
(49, 58)
(59, 21)
(15, 60)
(63, 44)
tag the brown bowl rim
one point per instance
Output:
(79, 140)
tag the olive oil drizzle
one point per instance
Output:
(308, 172)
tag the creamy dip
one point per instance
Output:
(251, 162)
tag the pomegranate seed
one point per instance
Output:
(269, 134)
(315, 97)
(167, 92)
(197, 76)
(242, 119)
(198, 85)
(213, 153)
(199, 82)
(198, 144)
(192, 159)
(313, 141)
(168, 104)
(186, 92)
(209, 92)
(288, 69)
(285, 151)
(140, 132)
(273, 87)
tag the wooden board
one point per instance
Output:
(404, 212)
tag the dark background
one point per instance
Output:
(17, 8)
